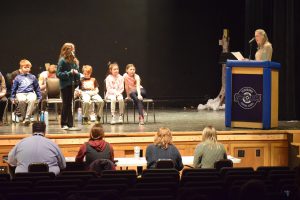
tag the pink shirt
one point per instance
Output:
(130, 82)
(114, 85)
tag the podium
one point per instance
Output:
(251, 94)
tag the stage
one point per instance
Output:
(178, 120)
(255, 147)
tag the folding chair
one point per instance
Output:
(53, 93)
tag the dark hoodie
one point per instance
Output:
(95, 149)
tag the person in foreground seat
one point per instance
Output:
(162, 148)
(96, 147)
(37, 148)
(209, 150)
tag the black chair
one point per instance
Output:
(38, 167)
(164, 164)
(75, 166)
(34, 196)
(131, 178)
(223, 163)
(224, 170)
(187, 172)
(50, 175)
(75, 182)
(119, 172)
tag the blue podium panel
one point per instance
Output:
(251, 94)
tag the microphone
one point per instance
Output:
(250, 41)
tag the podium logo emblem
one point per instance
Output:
(247, 98)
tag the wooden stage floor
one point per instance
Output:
(177, 120)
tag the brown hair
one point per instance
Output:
(97, 132)
(66, 52)
(163, 138)
(110, 66)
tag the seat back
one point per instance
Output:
(223, 163)
(38, 167)
(164, 164)
(53, 89)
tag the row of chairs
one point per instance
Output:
(54, 97)
(152, 181)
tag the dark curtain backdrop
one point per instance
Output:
(173, 43)
(280, 19)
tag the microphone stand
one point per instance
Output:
(74, 128)
(250, 50)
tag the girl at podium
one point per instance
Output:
(264, 47)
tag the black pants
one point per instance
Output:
(66, 113)
(3, 101)
(138, 103)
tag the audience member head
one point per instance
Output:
(113, 68)
(100, 165)
(87, 71)
(38, 127)
(25, 66)
(253, 189)
(261, 37)
(209, 134)
(130, 69)
(97, 132)
(163, 138)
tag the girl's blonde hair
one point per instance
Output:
(66, 52)
(128, 66)
(163, 138)
(87, 68)
(209, 133)
(264, 34)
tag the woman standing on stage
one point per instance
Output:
(264, 47)
(68, 73)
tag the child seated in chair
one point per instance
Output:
(134, 90)
(49, 73)
(88, 92)
(114, 89)
(25, 91)
(3, 99)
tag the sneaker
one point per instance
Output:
(141, 120)
(93, 117)
(120, 121)
(85, 121)
(26, 122)
(145, 113)
(65, 127)
(113, 120)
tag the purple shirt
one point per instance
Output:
(36, 148)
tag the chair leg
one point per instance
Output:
(153, 110)
(106, 112)
(126, 111)
(5, 111)
(147, 111)
(133, 106)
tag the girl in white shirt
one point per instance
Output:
(114, 89)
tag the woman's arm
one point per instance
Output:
(197, 156)
(138, 86)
